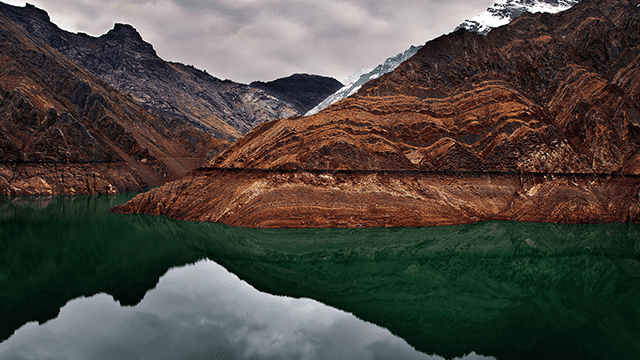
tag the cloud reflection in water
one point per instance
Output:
(202, 311)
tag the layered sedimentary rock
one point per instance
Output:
(538, 121)
(65, 131)
(303, 91)
(272, 199)
(121, 57)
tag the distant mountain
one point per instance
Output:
(303, 91)
(65, 131)
(172, 90)
(500, 13)
(503, 11)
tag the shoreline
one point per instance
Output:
(348, 199)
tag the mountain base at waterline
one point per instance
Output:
(303, 199)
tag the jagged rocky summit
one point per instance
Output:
(500, 13)
(537, 121)
(121, 57)
(65, 131)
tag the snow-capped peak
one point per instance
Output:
(503, 11)
(355, 76)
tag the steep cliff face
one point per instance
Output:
(303, 91)
(65, 131)
(123, 59)
(536, 122)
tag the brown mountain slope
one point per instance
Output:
(172, 90)
(64, 131)
(538, 121)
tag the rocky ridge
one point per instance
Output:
(537, 121)
(65, 131)
(121, 57)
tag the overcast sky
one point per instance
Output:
(246, 40)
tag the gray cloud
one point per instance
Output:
(246, 40)
(202, 311)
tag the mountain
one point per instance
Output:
(172, 90)
(65, 131)
(303, 91)
(500, 13)
(536, 121)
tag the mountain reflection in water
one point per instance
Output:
(506, 289)
(202, 311)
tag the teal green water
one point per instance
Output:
(505, 289)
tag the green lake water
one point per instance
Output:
(507, 290)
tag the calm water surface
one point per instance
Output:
(108, 286)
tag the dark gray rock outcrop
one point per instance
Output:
(303, 91)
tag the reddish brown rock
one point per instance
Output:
(535, 122)
(368, 199)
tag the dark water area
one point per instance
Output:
(105, 285)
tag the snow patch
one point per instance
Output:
(503, 11)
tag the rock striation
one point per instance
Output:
(65, 131)
(121, 57)
(537, 121)
(303, 91)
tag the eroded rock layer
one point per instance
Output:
(538, 121)
(274, 199)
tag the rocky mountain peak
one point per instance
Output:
(124, 30)
(128, 35)
(33, 10)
